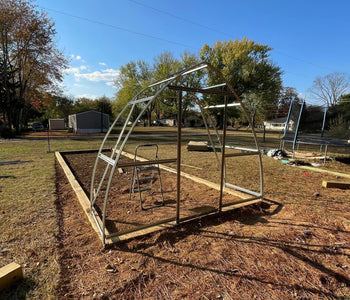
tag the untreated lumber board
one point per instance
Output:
(197, 146)
(115, 237)
(335, 184)
(138, 233)
(168, 224)
(10, 274)
(82, 197)
(325, 171)
(240, 204)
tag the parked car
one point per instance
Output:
(158, 123)
(37, 126)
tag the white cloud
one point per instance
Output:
(71, 70)
(110, 83)
(78, 85)
(76, 57)
(102, 64)
(301, 95)
(89, 96)
(83, 67)
(104, 75)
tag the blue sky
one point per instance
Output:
(309, 38)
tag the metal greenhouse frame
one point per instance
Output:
(112, 162)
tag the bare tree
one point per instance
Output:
(330, 88)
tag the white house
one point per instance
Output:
(278, 124)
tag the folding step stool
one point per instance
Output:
(142, 180)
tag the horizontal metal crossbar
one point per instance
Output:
(242, 148)
(173, 77)
(222, 105)
(107, 159)
(148, 162)
(214, 86)
(198, 90)
(142, 100)
(238, 188)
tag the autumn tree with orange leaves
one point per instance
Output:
(30, 62)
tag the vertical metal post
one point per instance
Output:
(297, 127)
(48, 139)
(325, 154)
(288, 118)
(178, 169)
(264, 133)
(223, 175)
(324, 121)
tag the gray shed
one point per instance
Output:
(90, 121)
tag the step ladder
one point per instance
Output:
(208, 121)
(144, 176)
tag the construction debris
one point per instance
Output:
(277, 153)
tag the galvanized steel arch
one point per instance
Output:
(116, 152)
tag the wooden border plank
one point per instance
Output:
(325, 171)
(82, 197)
(169, 224)
(10, 274)
(335, 184)
(114, 237)
(240, 204)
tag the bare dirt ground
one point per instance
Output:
(124, 210)
(297, 250)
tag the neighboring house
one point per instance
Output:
(193, 119)
(90, 121)
(278, 124)
(56, 124)
(164, 122)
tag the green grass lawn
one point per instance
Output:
(29, 224)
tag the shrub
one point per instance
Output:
(6, 133)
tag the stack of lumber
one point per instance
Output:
(197, 146)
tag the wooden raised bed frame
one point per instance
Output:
(144, 229)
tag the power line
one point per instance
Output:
(218, 31)
(163, 39)
(118, 28)
(179, 18)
